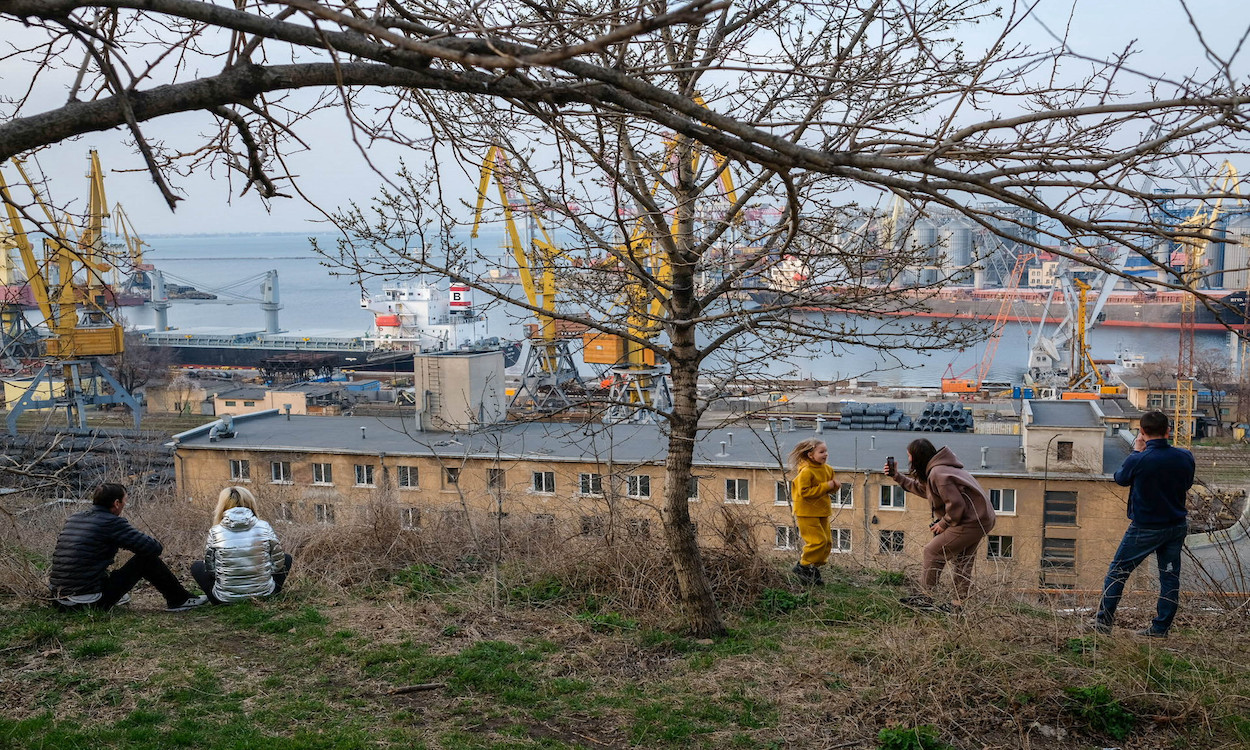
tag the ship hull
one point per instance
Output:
(1122, 310)
(257, 357)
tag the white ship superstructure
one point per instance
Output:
(418, 316)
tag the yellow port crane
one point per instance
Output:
(1203, 221)
(549, 368)
(80, 329)
(638, 386)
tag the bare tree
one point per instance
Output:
(1213, 369)
(659, 250)
(622, 121)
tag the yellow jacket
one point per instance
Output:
(810, 491)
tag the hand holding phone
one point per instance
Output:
(891, 466)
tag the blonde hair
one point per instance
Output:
(233, 497)
(799, 453)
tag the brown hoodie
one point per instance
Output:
(953, 495)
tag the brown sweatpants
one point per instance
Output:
(958, 546)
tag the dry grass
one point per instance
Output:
(586, 637)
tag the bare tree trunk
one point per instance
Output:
(694, 588)
(697, 601)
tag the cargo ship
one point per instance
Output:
(410, 317)
(1139, 309)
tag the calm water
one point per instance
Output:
(316, 301)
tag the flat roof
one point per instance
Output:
(747, 446)
(1064, 414)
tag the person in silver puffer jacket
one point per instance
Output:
(242, 557)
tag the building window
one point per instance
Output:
(496, 479)
(406, 476)
(1063, 450)
(545, 481)
(893, 497)
(638, 528)
(592, 525)
(890, 542)
(325, 514)
(409, 518)
(322, 474)
(841, 539)
(1059, 508)
(364, 475)
(638, 485)
(692, 492)
(590, 484)
(451, 476)
(998, 547)
(232, 403)
(249, 403)
(240, 470)
(1003, 501)
(284, 512)
(280, 472)
(787, 538)
(1058, 554)
(781, 493)
(1154, 401)
(737, 491)
(845, 496)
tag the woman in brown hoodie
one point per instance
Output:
(962, 509)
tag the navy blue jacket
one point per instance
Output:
(1159, 478)
(86, 548)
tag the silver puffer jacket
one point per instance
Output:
(243, 554)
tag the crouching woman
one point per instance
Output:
(963, 516)
(242, 558)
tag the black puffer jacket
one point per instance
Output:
(86, 548)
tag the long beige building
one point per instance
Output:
(1060, 515)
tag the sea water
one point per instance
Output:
(320, 300)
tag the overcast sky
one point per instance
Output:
(334, 171)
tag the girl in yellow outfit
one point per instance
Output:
(813, 506)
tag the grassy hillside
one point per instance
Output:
(509, 656)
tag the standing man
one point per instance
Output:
(1159, 476)
(85, 549)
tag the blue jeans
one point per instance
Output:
(1136, 546)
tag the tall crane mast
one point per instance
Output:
(549, 368)
(639, 388)
(81, 330)
(1202, 221)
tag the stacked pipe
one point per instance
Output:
(940, 416)
(873, 417)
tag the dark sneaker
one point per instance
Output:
(1151, 633)
(1098, 627)
(190, 603)
(818, 579)
(806, 573)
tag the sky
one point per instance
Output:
(334, 172)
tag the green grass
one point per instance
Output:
(556, 667)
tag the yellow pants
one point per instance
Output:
(817, 543)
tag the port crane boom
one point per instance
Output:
(962, 383)
(549, 368)
(80, 329)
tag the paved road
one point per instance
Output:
(1220, 560)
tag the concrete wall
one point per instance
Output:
(458, 391)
